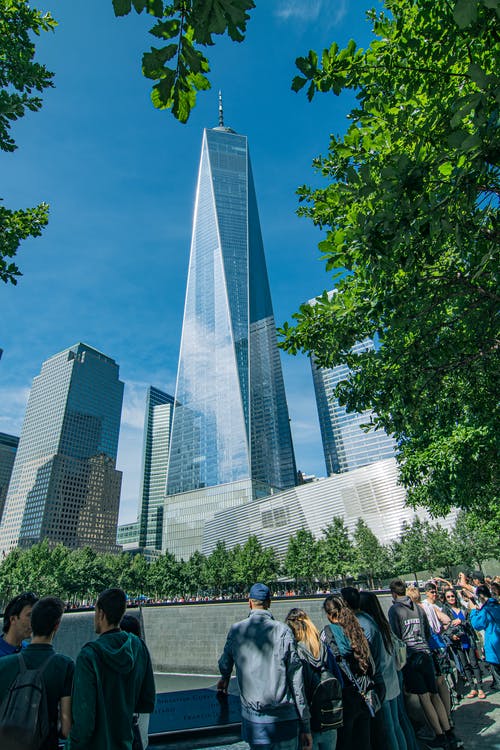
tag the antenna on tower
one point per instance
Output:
(221, 111)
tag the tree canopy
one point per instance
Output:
(21, 81)
(187, 26)
(410, 214)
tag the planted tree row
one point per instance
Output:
(310, 563)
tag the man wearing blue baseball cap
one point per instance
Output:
(274, 709)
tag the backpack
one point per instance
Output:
(326, 702)
(24, 716)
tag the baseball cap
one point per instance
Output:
(260, 592)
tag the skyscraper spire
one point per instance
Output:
(221, 111)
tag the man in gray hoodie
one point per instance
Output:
(274, 709)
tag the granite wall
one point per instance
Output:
(184, 638)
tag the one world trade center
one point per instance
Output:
(231, 441)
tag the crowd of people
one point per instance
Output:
(397, 677)
(366, 681)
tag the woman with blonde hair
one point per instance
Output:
(348, 645)
(314, 658)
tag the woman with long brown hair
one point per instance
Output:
(351, 649)
(314, 658)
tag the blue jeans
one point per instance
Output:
(404, 722)
(325, 740)
(283, 745)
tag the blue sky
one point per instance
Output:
(120, 178)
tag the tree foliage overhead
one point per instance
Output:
(185, 27)
(21, 81)
(411, 214)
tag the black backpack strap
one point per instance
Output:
(22, 664)
(46, 663)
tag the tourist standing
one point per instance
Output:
(17, 623)
(274, 710)
(485, 615)
(113, 680)
(57, 675)
(314, 657)
(409, 623)
(463, 643)
(347, 643)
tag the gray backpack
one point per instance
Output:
(24, 716)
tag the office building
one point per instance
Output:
(231, 438)
(345, 444)
(64, 486)
(8, 448)
(156, 443)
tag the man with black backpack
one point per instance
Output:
(35, 686)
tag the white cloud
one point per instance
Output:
(331, 12)
(13, 402)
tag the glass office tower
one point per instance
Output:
(157, 426)
(8, 448)
(64, 485)
(231, 438)
(345, 444)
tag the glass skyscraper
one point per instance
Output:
(8, 448)
(345, 444)
(157, 426)
(64, 484)
(231, 438)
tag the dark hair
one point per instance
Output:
(476, 574)
(483, 590)
(431, 586)
(351, 596)
(46, 615)
(398, 587)
(495, 588)
(369, 603)
(113, 602)
(334, 605)
(16, 606)
(131, 624)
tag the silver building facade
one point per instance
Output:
(65, 486)
(346, 445)
(156, 445)
(231, 438)
(371, 493)
(8, 449)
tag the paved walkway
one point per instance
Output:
(477, 723)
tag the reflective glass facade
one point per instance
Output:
(64, 484)
(345, 444)
(8, 448)
(230, 422)
(157, 425)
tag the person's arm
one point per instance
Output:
(478, 618)
(295, 680)
(394, 622)
(226, 664)
(376, 645)
(147, 695)
(65, 713)
(83, 702)
(442, 617)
